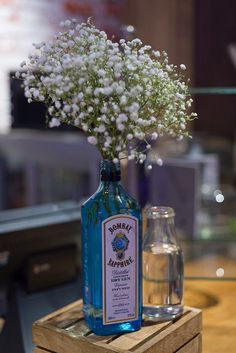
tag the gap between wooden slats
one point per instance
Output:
(193, 346)
(42, 350)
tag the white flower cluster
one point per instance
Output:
(120, 94)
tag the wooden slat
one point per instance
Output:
(137, 338)
(173, 337)
(101, 340)
(131, 340)
(193, 346)
(62, 341)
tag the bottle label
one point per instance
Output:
(120, 269)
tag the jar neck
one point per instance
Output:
(161, 229)
(110, 171)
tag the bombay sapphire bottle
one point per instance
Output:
(111, 257)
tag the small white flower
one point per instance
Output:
(101, 72)
(57, 104)
(92, 139)
(75, 108)
(123, 100)
(183, 67)
(67, 23)
(153, 119)
(134, 108)
(81, 115)
(131, 157)
(115, 160)
(142, 156)
(140, 121)
(121, 127)
(180, 96)
(154, 135)
(23, 64)
(122, 118)
(104, 109)
(54, 122)
(149, 167)
(27, 94)
(80, 96)
(130, 137)
(67, 108)
(77, 122)
(134, 116)
(101, 128)
(107, 90)
(36, 93)
(156, 53)
(119, 90)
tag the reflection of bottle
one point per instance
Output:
(111, 249)
(162, 266)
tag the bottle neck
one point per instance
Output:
(110, 171)
(162, 229)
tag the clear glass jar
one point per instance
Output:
(163, 270)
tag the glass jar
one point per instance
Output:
(163, 270)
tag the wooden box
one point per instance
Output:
(64, 331)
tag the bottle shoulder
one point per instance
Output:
(106, 203)
(116, 195)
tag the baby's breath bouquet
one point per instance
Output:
(122, 95)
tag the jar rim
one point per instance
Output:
(160, 212)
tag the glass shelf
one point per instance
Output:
(213, 90)
(210, 260)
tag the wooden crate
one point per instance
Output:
(65, 331)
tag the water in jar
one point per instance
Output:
(162, 281)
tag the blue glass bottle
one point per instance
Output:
(111, 257)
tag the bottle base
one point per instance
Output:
(162, 313)
(97, 327)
